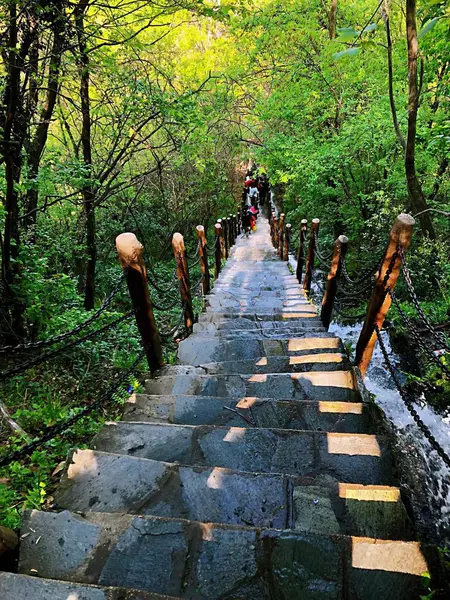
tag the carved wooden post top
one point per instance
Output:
(130, 250)
(201, 233)
(178, 242)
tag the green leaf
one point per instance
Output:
(349, 52)
(346, 34)
(428, 27)
(369, 28)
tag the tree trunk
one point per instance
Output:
(332, 19)
(416, 195)
(41, 133)
(88, 190)
(398, 133)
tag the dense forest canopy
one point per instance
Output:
(129, 115)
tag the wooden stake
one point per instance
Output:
(203, 259)
(130, 255)
(380, 301)
(301, 249)
(340, 249)
(179, 251)
(287, 241)
(225, 237)
(218, 250)
(310, 257)
(230, 233)
(281, 235)
(275, 231)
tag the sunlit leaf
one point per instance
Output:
(428, 27)
(348, 52)
(346, 34)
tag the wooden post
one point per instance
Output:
(239, 221)
(225, 237)
(380, 301)
(281, 235)
(287, 241)
(310, 257)
(218, 250)
(230, 234)
(301, 249)
(235, 226)
(130, 255)
(231, 217)
(340, 249)
(179, 251)
(275, 231)
(203, 259)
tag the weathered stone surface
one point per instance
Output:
(313, 510)
(249, 412)
(22, 587)
(313, 385)
(104, 481)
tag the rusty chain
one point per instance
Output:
(409, 403)
(37, 360)
(53, 430)
(62, 336)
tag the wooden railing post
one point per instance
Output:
(340, 249)
(130, 252)
(225, 237)
(203, 259)
(310, 256)
(287, 241)
(239, 221)
(380, 300)
(281, 222)
(235, 227)
(218, 250)
(179, 251)
(230, 233)
(301, 249)
(275, 231)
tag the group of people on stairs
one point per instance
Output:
(254, 194)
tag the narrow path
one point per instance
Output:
(252, 470)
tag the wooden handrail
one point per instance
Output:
(130, 252)
(340, 249)
(380, 300)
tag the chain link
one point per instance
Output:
(409, 403)
(37, 360)
(440, 339)
(416, 335)
(62, 336)
(60, 427)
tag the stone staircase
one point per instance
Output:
(250, 470)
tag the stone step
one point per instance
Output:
(24, 587)
(323, 361)
(201, 561)
(352, 457)
(198, 350)
(286, 316)
(243, 324)
(341, 417)
(274, 334)
(314, 385)
(318, 502)
(257, 304)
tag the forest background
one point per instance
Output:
(121, 115)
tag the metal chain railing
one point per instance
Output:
(440, 339)
(409, 403)
(37, 360)
(53, 430)
(416, 335)
(67, 334)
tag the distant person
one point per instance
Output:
(246, 222)
(253, 195)
(263, 188)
